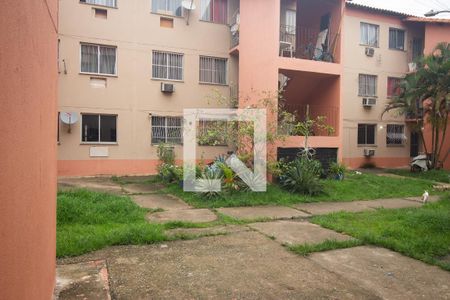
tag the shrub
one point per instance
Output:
(170, 173)
(336, 170)
(302, 176)
(166, 154)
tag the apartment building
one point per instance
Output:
(129, 68)
(379, 50)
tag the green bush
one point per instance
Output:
(302, 176)
(336, 170)
(170, 173)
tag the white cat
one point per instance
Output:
(425, 197)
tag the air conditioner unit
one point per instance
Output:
(369, 152)
(167, 87)
(369, 102)
(370, 51)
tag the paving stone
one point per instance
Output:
(141, 188)
(206, 231)
(259, 212)
(86, 280)
(330, 207)
(185, 215)
(166, 202)
(292, 232)
(393, 203)
(243, 265)
(388, 274)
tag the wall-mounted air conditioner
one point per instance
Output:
(370, 51)
(369, 152)
(369, 102)
(167, 87)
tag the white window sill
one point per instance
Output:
(99, 74)
(99, 5)
(100, 143)
(171, 80)
(212, 83)
(167, 14)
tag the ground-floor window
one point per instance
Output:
(395, 134)
(167, 130)
(98, 128)
(366, 134)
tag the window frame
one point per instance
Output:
(212, 20)
(214, 59)
(402, 141)
(365, 132)
(165, 130)
(366, 88)
(377, 32)
(404, 38)
(98, 59)
(167, 12)
(388, 95)
(167, 66)
(99, 129)
(101, 5)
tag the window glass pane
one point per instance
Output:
(206, 7)
(107, 60)
(395, 134)
(110, 3)
(89, 58)
(167, 6)
(361, 134)
(366, 134)
(108, 131)
(213, 70)
(90, 132)
(370, 140)
(369, 34)
(167, 130)
(367, 85)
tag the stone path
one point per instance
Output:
(262, 212)
(155, 201)
(201, 215)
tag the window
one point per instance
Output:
(395, 134)
(366, 134)
(367, 85)
(166, 65)
(171, 7)
(396, 39)
(109, 3)
(393, 86)
(99, 128)
(98, 59)
(213, 70)
(212, 133)
(214, 11)
(369, 34)
(167, 130)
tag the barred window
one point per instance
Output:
(109, 3)
(172, 7)
(366, 134)
(367, 85)
(395, 134)
(167, 130)
(369, 34)
(98, 59)
(167, 65)
(213, 70)
(396, 39)
(212, 133)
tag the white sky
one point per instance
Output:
(412, 7)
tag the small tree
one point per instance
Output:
(428, 87)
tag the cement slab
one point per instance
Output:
(166, 202)
(387, 274)
(192, 232)
(141, 188)
(100, 184)
(260, 212)
(331, 207)
(86, 280)
(185, 215)
(243, 265)
(293, 233)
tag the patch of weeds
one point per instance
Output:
(306, 249)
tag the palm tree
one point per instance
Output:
(428, 87)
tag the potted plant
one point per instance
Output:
(336, 171)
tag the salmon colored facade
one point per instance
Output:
(28, 93)
(304, 54)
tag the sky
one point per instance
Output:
(412, 7)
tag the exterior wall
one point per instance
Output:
(133, 95)
(434, 34)
(28, 91)
(385, 63)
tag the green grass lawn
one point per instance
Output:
(354, 187)
(87, 221)
(434, 175)
(422, 233)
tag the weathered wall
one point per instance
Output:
(28, 92)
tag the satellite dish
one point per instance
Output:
(188, 4)
(69, 118)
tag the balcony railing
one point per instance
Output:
(306, 43)
(299, 111)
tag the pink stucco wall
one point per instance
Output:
(28, 92)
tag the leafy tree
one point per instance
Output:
(425, 97)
